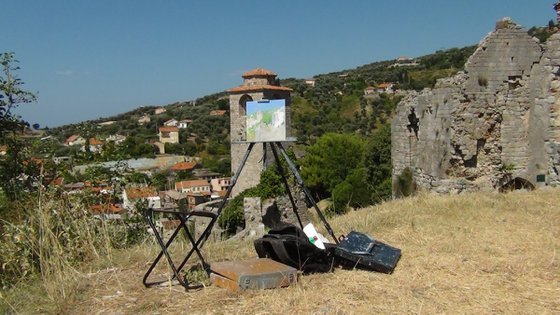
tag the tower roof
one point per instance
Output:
(259, 79)
(251, 88)
(258, 72)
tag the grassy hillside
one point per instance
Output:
(473, 253)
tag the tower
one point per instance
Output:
(258, 84)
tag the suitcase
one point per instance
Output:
(361, 251)
(258, 273)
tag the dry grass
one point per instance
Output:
(477, 253)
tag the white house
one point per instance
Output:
(311, 82)
(220, 184)
(171, 123)
(74, 140)
(199, 186)
(168, 134)
(183, 124)
(144, 120)
(160, 110)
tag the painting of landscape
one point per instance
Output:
(266, 120)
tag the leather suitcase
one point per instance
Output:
(361, 251)
(257, 273)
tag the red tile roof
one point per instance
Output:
(72, 138)
(191, 183)
(142, 192)
(221, 193)
(168, 129)
(258, 72)
(249, 88)
(106, 208)
(183, 166)
(93, 141)
(385, 85)
(218, 112)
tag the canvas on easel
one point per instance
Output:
(266, 121)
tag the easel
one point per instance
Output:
(275, 147)
(197, 244)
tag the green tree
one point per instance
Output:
(354, 192)
(223, 104)
(378, 163)
(87, 132)
(270, 186)
(160, 181)
(11, 96)
(330, 160)
(137, 177)
(15, 162)
(218, 164)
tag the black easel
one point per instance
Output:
(274, 146)
(184, 216)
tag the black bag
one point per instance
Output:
(361, 251)
(289, 245)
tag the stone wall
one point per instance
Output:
(491, 126)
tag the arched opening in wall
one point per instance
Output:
(243, 104)
(413, 122)
(517, 183)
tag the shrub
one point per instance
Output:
(55, 233)
(404, 184)
(270, 186)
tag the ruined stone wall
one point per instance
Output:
(494, 123)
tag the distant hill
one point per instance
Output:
(331, 102)
(338, 96)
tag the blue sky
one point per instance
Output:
(91, 59)
(254, 107)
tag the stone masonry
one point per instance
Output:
(258, 84)
(495, 126)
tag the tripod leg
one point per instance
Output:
(285, 180)
(294, 170)
(208, 229)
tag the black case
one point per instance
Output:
(361, 251)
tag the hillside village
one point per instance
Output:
(179, 154)
(183, 179)
(156, 171)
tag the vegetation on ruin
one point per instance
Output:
(543, 33)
